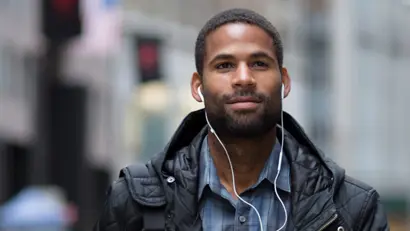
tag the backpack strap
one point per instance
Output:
(146, 189)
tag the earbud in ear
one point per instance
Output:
(200, 94)
(282, 93)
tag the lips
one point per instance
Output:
(244, 103)
(244, 99)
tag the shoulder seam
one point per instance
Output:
(364, 207)
(114, 206)
(351, 181)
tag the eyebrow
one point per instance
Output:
(259, 54)
(222, 57)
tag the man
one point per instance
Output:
(189, 186)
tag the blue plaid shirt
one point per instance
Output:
(220, 211)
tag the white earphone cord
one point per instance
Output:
(233, 174)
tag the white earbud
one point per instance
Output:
(206, 116)
(200, 94)
(282, 93)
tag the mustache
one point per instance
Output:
(255, 95)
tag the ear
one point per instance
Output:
(195, 83)
(286, 81)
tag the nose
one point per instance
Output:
(243, 77)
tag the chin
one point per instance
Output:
(251, 124)
(248, 127)
(247, 132)
(246, 117)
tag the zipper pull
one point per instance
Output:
(329, 222)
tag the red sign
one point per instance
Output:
(65, 7)
(148, 56)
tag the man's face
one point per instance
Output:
(241, 81)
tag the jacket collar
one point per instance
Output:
(314, 178)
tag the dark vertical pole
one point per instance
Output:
(61, 21)
(67, 145)
(61, 109)
(47, 79)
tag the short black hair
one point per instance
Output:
(236, 15)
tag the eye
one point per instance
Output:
(259, 64)
(224, 65)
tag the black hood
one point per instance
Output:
(314, 178)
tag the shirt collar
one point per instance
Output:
(209, 177)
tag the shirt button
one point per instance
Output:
(242, 219)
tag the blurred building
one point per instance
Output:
(348, 61)
(83, 159)
(18, 38)
(370, 68)
(356, 56)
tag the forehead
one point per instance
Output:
(238, 37)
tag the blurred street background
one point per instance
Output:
(90, 86)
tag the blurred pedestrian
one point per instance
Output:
(242, 163)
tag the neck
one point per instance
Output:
(248, 157)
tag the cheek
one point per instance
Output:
(271, 90)
(214, 88)
(269, 79)
(210, 97)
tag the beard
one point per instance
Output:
(238, 124)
